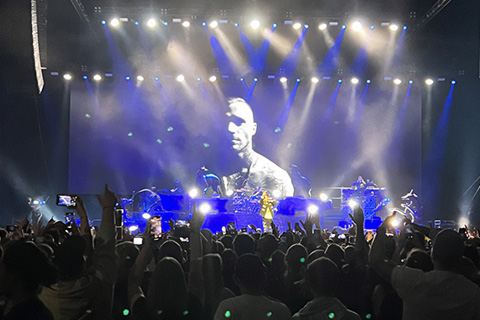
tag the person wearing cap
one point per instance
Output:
(250, 273)
(258, 171)
(442, 293)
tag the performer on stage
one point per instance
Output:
(258, 171)
(266, 211)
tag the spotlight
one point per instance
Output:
(298, 79)
(393, 27)
(312, 209)
(429, 82)
(204, 208)
(114, 22)
(127, 78)
(453, 81)
(151, 23)
(213, 24)
(146, 216)
(322, 26)
(283, 79)
(255, 79)
(133, 228)
(236, 24)
(305, 26)
(104, 22)
(204, 24)
(241, 79)
(368, 81)
(140, 78)
(136, 23)
(255, 24)
(315, 80)
(404, 27)
(157, 78)
(356, 26)
(372, 27)
(193, 193)
(97, 77)
(397, 81)
(352, 203)
(297, 26)
(395, 223)
(165, 23)
(339, 80)
(186, 24)
(198, 79)
(276, 193)
(354, 80)
(85, 77)
(410, 82)
(274, 25)
(180, 78)
(344, 26)
(212, 79)
(67, 76)
(323, 197)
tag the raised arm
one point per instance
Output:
(378, 259)
(358, 219)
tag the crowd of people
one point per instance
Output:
(61, 271)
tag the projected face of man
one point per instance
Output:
(241, 125)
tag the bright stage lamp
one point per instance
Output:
(315, 80)
(97, 77)
(133, 228)
(193, 193)
(354, 80)
(186, 24)
(140, 78)
(212, 79)
(276, 193)
(356, 26)
(114, 22)
(67, 76)
(323, 197)
(180, 78)
(352, 203)
(312, 209)
(397, 81)
(151, 23)
(213, 24)
(393, 27)
(146, 216)
(297, 26)
(204, 208)
(283, 79)
(255, 24)
(322, 26)
(395, 223)
(429, 82)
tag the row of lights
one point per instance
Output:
(181, 78)
(254, 24)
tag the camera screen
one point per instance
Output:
(66, 200)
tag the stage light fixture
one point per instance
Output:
(298, 79)
(136, 23)
(114, 22)
(395, 222)
(274, 25)
(204, 208)
(104, 22)
(312, 209)
(305, 26)
(236, 24)
(198, 79)
(151, 23)
(193, 193)
(354, 80)
(85, 77)
(212, 79)
(140, 78)
(323, 197)
(165, 23)
(255, 79)
(322, 26)
(67, 76)
(97, 77)
(372, 27)
(397, 81)
(393, 27)
(127, 78)
(255, 24)
(404, 27)
(157, 78)
(276, 193)
(352, 203)
(213, 24)
(146, 216)
(297, 25)
(241, 79)
(410, 82)
(186, 24)
(356, 26)
(180, 78)
(429, 82)
(315, 80)
(453, 81)
(204, 23)
(283, 79)
(133, 228)
(339, 80)
(344, 26)
(368, 81)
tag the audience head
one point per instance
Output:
(317, 253)
(267, 244)
(250, 271)
(69, 258)
(171, 248)
(335, 253)
(127, 253)
(447, 250)
(323, 277)
(244, 243)
(296, 257)
(227, 241)
(212, 270)
(419, 259)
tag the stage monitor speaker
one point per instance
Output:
(23, 45)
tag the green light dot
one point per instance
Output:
(88, 311)
(228, 314)
(170, 129)
(130, 134)
(269, 314)
(127, 257)
(368, 316)
(87, 116)
(302, 260)
(159, 312)
(269, 259)
(159, 141)
(278, 129)
(185, 312)
(206, 145)
(126, 312)
(331, 315)
(289, 145)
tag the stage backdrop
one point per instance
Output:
(133, 135)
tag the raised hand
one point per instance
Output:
(358, 218)
(108, 199)
(197, 219)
